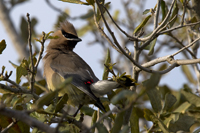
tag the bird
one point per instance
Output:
(61, 62)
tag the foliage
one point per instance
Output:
(159, 107)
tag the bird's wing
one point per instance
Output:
(72, 65)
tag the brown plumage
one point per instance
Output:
(60, 62)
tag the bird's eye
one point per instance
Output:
(67, 35)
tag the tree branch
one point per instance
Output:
(24, 117)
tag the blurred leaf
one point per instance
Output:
(193, 19)
(88, 15)
(163, 8)
(153, 93)
(101, 128)
(14, 65)
(174, 12)
(61, 103)
(121, 95)
(116, 15)
(87, 110)
(75, 2)
(24, 128)
(94, 119)
(83, 30)
(148, 115)
(20, 71)
(125, 129)
(134, 121)
(24, 28)
(46, 99)
(170, 100)
(188, 73)
(152, 44)
(118, 122)
(68, 128)
(91, 2)
(146, 11)
(107, 61)
(2, 46)
(183, 107)
(142, 24)
(191, 98)
(183, 123)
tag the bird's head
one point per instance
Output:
(66, 37)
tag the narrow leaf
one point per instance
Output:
(191, 98)
(152, 44)
(2, 46)
(134, 121)
(142, 24)
(188, 73)
(118, 122)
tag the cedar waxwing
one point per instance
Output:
(60, 63)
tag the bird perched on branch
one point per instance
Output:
(60, 63)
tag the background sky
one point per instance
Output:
(90, 53)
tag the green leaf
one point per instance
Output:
(91, 2)
(75, 2)
(101, 128)
(134, 121)
(87, 110)
(183, 107)
(153, 93)
(183, 123)
(14, 65)
(107, 62)
(152, 45)
(163, 8)
(191, 98)
(68, 128)
(61, 103)
(170, 100)
(94, 119)
(142, 24)
(46, 99)
(146, 11)
(174, 12)
(188, 73)
(121, 95)
(20, 71)
(118, 122)
(148, 114)
(2, 46)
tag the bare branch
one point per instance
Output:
(31, 57)
(24, 117)
(41, 50)
(178, 27)
(5, 130)
(17, 91)
(186, 47)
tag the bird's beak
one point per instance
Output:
(74, 39)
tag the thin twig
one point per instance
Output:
(160, 26)
(131, 37)
(41, 50)
(179, 42)
(30, 50)
(178, 27)
(103, 33)
(5, 130)
(186, 47)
